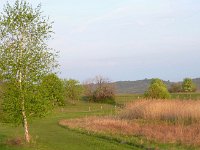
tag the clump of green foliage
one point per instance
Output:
(52, 88)
(188, 85)
(157, 90)
(73, 89)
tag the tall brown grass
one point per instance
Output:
(128, 122)
(176, 111)
(187, 135)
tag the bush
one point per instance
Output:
(157, 90)
(100, 90)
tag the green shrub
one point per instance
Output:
(157, 90)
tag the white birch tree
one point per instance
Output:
(24, 59)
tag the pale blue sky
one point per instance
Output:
(125, 39)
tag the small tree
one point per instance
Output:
(157, 90)
(52, 88)
(73, 89)
(188, 85)
(100, 89)
(24, 59)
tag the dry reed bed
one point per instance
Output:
(188, 135)
(126, 122)
(99, 124)
(177, 111)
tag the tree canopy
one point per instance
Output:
(73, 89)
(188, 85)
(52, 88)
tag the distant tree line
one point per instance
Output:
(158, 90)
(186, 86)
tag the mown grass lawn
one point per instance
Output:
(48, 135)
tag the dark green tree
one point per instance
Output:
(157, 90)
(188, 85)
(24, 59)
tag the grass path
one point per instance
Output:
(48, 135)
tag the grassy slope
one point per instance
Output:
(48, 135)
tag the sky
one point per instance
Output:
(125, 39)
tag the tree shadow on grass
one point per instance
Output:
(9, 144)
(3, 145)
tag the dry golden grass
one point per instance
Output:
(188, 135)
(126, 122)
(99, 124)
(176, 111)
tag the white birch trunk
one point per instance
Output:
(25, 122)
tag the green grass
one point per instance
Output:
(125, 98)
(48, 135)
(186, 96)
